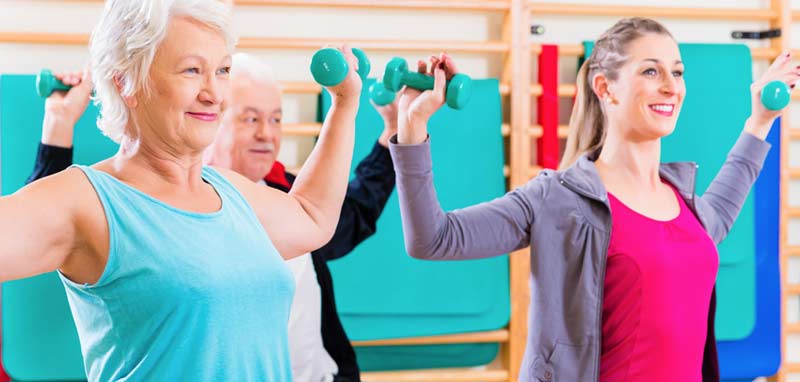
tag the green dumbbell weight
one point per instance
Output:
(457, 92)
(379, 94)
(47, 83)
(775, 95)
(329, 67)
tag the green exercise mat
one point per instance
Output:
(381, 292)
(384, 358)
(39, 341)
(717, 103)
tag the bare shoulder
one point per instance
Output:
(255, 193)
(67, 187)
(245, 186)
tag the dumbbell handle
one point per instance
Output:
(418, 80)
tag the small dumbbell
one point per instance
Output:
(379, 94)
(775, 95)
(457, 92)
(329, 67)
(47, 83)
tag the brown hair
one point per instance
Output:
(587, 125)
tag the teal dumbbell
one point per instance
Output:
(47, 83)
(775, 95)
(379, 94)
(329, 67)
(457, 92)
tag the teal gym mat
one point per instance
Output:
(381, 292)
(717, 103)
(40, 342)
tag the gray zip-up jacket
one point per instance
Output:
(565, 218)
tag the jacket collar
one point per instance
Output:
(583, 178)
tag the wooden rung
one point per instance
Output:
(792, 250)
(474, 5)
(505, 130)
(794, 133)
(436, 376)
(44, 38)
(375, 45)
(793, 328)
(300, 87)
(630, 11)
(790, 367)
(571, 50)
(792, 289)
(505, 89)
(576, 50)
(794, 173)
(535, 131)
(302, 129)
(285, 43)
(564, 90)
(793, 212)
(314, 88)
(493, 336)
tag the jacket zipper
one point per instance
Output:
(604, 259)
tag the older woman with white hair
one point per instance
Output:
(173, 270)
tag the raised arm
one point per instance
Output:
(727, 193)
(62, 111)
(484, 230)
(305, 219)
(367, 193)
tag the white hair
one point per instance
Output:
(125, 41)
(247, 65)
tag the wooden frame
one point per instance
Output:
(519, 130)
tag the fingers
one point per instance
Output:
(790, 78)
(352, 61)
(422, 67)
(439, 83)
(450, 68)
(781, 60)
(87, 75)
(69, 78)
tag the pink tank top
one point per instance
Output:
(657, 292)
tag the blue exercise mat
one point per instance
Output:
(759, 354)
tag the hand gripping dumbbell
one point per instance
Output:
(457, 91)
(329, 66)
(47, 83)
(775, 95)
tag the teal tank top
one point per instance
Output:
(184, 296)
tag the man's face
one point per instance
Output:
(252, 128)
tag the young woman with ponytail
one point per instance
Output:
(623, 251)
